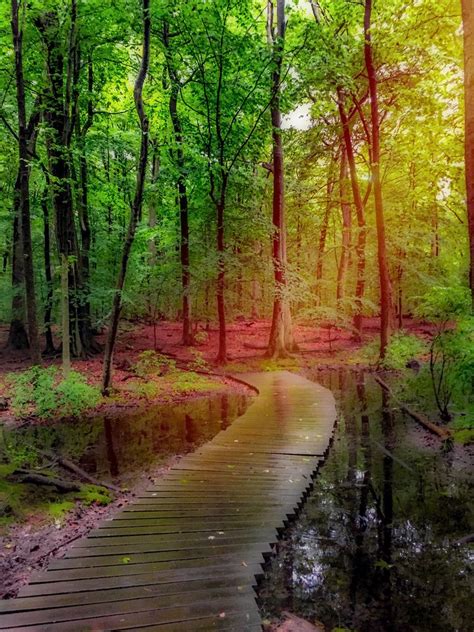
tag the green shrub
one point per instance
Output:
(152, 363)
(402, 348)
(201, 337)
(199, 363)
(45, 393)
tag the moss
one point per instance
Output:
(13, 496)
(91, 494)
(57, 510)
(465, 436)
(20, 501)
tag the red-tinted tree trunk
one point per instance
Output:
(360, 211)
(281, 335)
(346, 229)
(323, 232)
(384, 277)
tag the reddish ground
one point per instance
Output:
(246, 342)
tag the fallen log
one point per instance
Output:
(30, 476)
(442, 433)
(72, 467)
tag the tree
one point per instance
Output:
(360, 211)
(468, 23)
(181, 185)
(137, 200)
(22, 190)
(281, 340)
(384, 276)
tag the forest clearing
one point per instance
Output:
(236, 315)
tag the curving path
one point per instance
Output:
(184, 556)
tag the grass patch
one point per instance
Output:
(165, 387)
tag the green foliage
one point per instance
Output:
(199, 363)
(201, 337)
(46, 394)
(153, 363)
(402, 348)
(452, 366)
(190, 382)
(440, 304)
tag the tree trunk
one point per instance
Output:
(323, 233)
(360, 211)
(24, 188)
(346, 230)
(87, 342)
(220, 293)
(182, 190)
(65, 324)
(17, 334)
(49, 350)
(468, 22)
(61, 115)
(384, 277)
(137, 201)
(281, 338)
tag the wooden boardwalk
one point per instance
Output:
(184, 556)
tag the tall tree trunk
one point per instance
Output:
(17, 334)
(346, 229)
(87, 341)
(182, 190)
(360, 211)
(49, 350)
(24, 188)
(468, 22)
(281, 335)
(137, 201)
(61, 115)
(220, 293)
(384, 276)
(323, 232)
(155, 170)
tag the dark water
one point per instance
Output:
(123, 446)
(375, 548)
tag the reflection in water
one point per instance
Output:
(123, 446)
(375, 547)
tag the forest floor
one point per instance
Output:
(28, 545)
(246, 345)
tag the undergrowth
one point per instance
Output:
(45, 393)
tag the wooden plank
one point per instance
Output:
(235, 604)
(203, 572)
(229, 623)
(105, 556)
(138, 606)
(21, 604)
(179, 526)
(175, 541)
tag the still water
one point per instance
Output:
(123, 446)
(376, 547)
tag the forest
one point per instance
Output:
(194, 190)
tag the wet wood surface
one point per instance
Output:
(187, 553)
